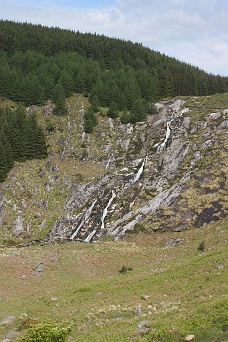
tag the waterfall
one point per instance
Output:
(85, 217)
(139, 173)
(105, 211)
(161, 147)
(90, 236)
(109, 161)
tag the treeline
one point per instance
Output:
(21, 138)
(54, 61)
(32, 78)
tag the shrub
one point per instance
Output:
(46, 331)
(125, 269)
(201, 247)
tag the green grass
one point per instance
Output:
(186, 288)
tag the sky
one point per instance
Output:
(194, 32)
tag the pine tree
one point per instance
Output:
(90, 120)
(139, 111)
(112, 112)
(60, 106)
(6, 157)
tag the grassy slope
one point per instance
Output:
(187, 289)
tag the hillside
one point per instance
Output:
(167, 173)
(127, 154)
(120, 186)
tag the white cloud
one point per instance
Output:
(195, 32)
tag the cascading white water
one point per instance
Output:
(139, 173)
(161, 147)
(109, 161)
(90, 236)
(85, 217)
(105, 211)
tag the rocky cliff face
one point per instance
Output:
(169, 173)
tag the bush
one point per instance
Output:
(125, 269)
(201, 247)
(50, 127)
(46, 331)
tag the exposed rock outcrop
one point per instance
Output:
(168, 173)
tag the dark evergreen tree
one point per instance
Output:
(18, 136)
(113, 110)
(94, 100)
(60, 106)
(90, 120)
(139, 111)
(21, 138)
(6, 157)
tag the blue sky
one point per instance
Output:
(195, 32)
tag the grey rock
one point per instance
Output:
(18, 226)
(143, 328)
(53, 258)
(207, 144)
(39, 267)
(220, 266)
(54, 299)
(7, 320)
(138, 310)
(42, 224)
(173, 242)
(180, 228)
(11, 334)
(145, 297)
(144, 324)
(43, 205)
(223, 125)
(213, 116)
